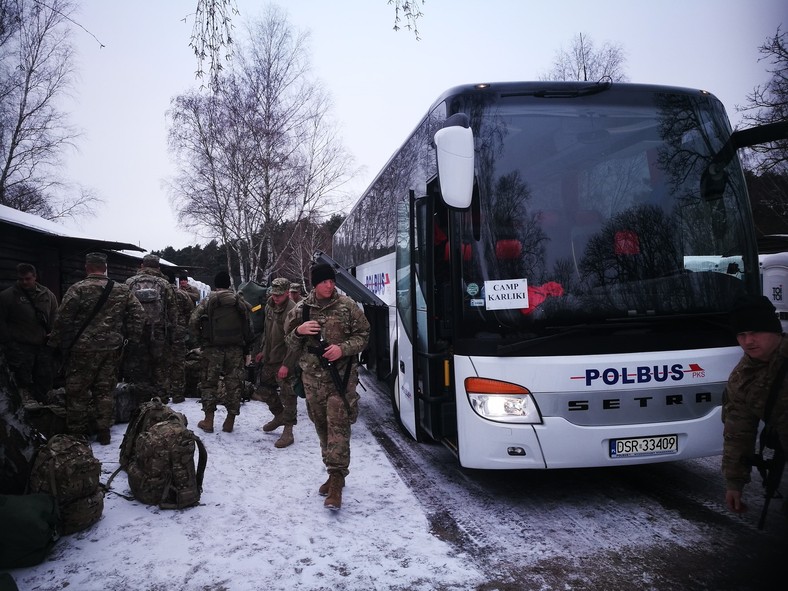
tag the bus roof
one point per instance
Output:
(547, 89)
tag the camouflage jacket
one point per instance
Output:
(743, 408)
(343, 323)
(120, 318)
(170, 320)
(272, 344)
(192, 292)
(27, 316)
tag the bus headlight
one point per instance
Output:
(501, 401)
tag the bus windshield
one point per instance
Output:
(590, 212)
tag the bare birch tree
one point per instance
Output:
(261, 150)
(213, 39)
(768, 103)
(585, 63)
(36, 71)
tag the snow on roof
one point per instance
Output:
(28, 220)
(33, 222)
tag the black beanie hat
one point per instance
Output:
(754, 314)
(321, 272)
(221, 280)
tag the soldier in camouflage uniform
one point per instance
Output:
(276, 364)
(759, 333)
(335, 333)
(27, 314)
(222, 356)
(295, 292)
(185, 306)
(92, 357)
(148, 364)
(184, 285)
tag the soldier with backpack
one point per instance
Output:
(147, 366)
(221, 325)
(96, 317)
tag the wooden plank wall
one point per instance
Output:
(59, 261)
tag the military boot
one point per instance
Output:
(103, 436)
(274, 423)
(334, 499)
(286, 438)
(323, 490)
(207, 423)
(229, 423)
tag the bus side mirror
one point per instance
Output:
(714, 178)
(454, 148)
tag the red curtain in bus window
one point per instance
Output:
(466, 252)
(508, 249)
(538, 294)
(626, 242)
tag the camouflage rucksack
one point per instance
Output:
(228, 320)
(146, 414)
(150, 294)
(67, 469)
(162, 471)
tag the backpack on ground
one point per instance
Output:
(30, 529)
(67, 469)
(162, 471)
(228, 320)
(146, 414)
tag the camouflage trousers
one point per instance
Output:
(278, 394)
(91, 378)
(32, 368)
(177, 369)
(332, 422)
(221, 364)
(148, 368)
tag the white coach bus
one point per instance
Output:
(552, 267)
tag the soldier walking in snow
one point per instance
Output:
(329, 338)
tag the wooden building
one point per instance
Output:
(57, 253)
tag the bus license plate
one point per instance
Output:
(644, 446)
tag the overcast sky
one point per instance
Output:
(381, 81)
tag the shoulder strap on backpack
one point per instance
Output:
(202, 461)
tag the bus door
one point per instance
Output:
(404, 387)
(432, 262)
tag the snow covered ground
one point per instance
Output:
(260, 524)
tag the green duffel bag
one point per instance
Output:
(30, 529)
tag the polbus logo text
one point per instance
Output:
(642, 374)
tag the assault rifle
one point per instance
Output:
(339, 383)
(770, 466)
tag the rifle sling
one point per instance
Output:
(99, 304)
(773, 391)
(771, 471)
(339, 383)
